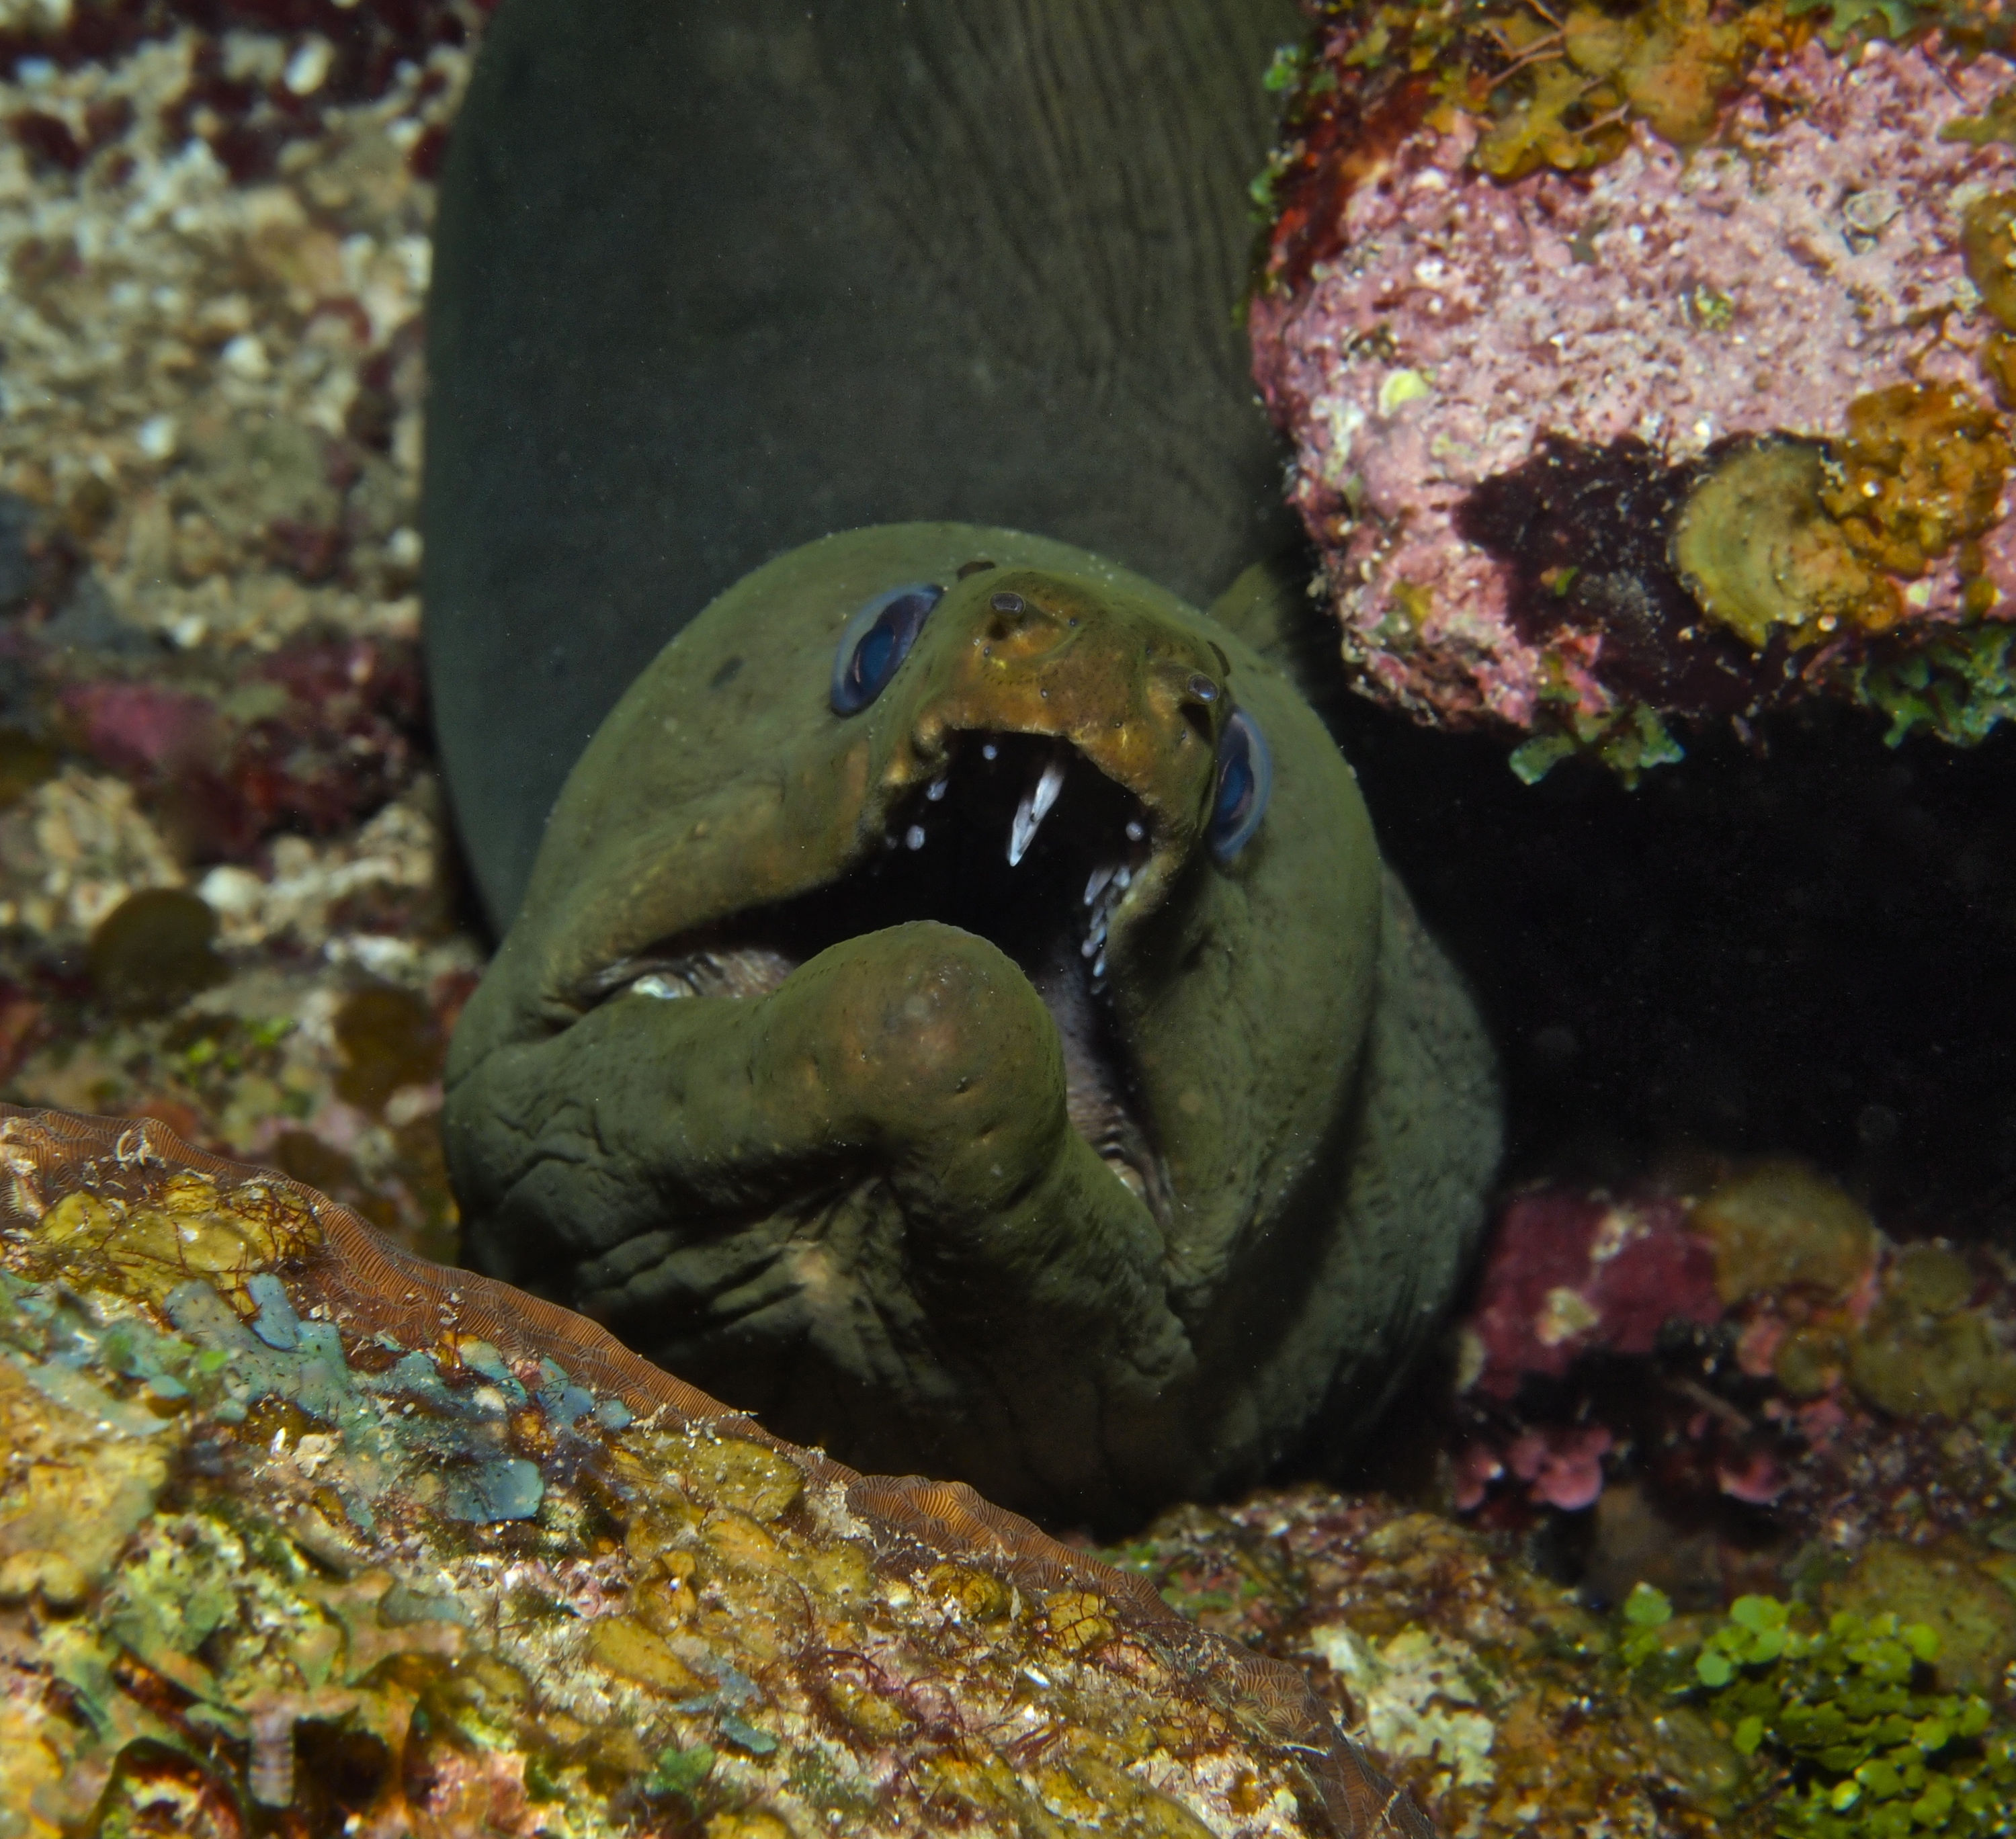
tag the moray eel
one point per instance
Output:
(1101, 1177)
(958, 1015)
(715, 277)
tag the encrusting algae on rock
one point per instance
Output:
(1650, 365)
(303, 1535)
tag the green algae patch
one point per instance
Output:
(1960, 686)
(1630, 741)
(1756, 547)
(1852, 1728)
(1921, 1354)
(302, 1535)
(1780, 1226)
(1962, 1594)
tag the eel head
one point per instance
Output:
(936, 1023)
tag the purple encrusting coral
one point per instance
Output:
(1479, 356)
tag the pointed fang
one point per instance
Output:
(1096, 886)
(1036, 806)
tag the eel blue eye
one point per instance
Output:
(877, 640)
(1245, 781)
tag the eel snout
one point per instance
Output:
(1048, 764)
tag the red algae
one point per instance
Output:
(1773, 1371)
(1568, 1274)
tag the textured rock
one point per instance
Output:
(301, 1529)
(1601, 337)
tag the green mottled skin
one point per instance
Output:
(856, 1204)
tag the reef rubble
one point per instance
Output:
(227, 895)
(1704, 1525)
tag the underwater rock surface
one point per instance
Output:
(301, 1534)
(1647, 366)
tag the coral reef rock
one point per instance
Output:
(302, 1534)
(1494, 1692)
(1648, 364)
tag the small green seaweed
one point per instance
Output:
(1286, 69)
(1630, 741)
(1849, 20)
(1960, 687)
(680, 1772)
(1846, 1714)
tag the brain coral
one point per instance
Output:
(1651, 362)
(300, 1535)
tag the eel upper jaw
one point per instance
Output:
(1016, 837)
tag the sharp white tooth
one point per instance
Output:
(1096, 886)
(1047, 789)
(936, 789)
(990, 752)
(1123, 880)
(1095, 941)
(1099, 969)
(1036, 806)
(913, 838)
(1135, 833)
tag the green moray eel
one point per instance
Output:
(959, 1014)
(714, 278)
(1103, 1178)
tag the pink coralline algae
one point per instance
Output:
(1709, 1377)
(1569, 1274)
(320, 733)
(1564, 1467)
(1650, 426)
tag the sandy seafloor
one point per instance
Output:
(228, 900)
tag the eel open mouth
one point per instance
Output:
(1019, 840)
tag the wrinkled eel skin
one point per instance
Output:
(861, 1135)
(788, 1074)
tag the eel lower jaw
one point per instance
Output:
(1016, 838)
